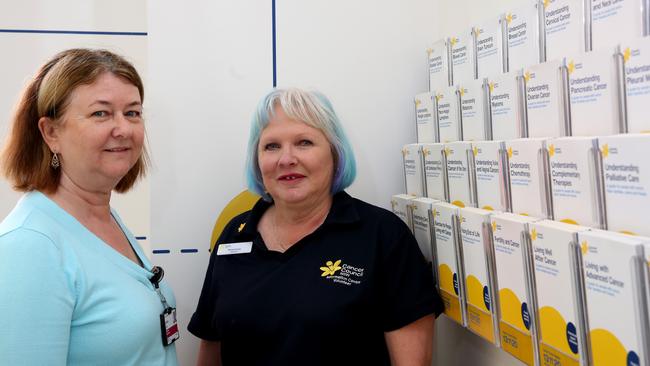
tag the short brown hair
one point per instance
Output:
(25, 159)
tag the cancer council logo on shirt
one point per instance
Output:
(347, 275)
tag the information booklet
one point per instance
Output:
(626, 175)
(529, 177)
(546, 109)
(575, 184)
(613, 22)
(506, 106)
(480, 281)
(473, 105)
(491, 175)
(562, 324)
(422, 228)
(459, 176)
(448, 117)
(435, 171)
(594, 93)
(563, 23)
(617, 313)
(522, 30)
(447, 257)
(426, 129)
(514, 268)
(463, 68)
(489, 49)
(636, 55)
(401, 206)
(413, 168)
(438, 63)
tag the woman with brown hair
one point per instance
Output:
(75, 286)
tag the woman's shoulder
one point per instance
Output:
(371, 211)
(29, 220)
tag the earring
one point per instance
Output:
(55, 163)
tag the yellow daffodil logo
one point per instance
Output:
(241, 227)
(491, 86)
(571, 67)
(438, 97)
(475, 150)
(605, 150)
(426, 152)
(453, 41)
(331, 268)
(627, 53)
(533, 234)
(405, 152)
(527, 76)
(417, 103)
(434, 212)
(494, 226)
(551, 150)
(447, 151)
(584, 247)
(509, 18)
(429, 51)
(546, 3)
(509, 152)
(461, 91)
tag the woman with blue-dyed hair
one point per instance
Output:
(311, 275)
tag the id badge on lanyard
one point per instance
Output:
(168, 323)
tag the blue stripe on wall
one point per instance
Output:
(275, 76)
(161, 251)
(54, 31)
(189, 250)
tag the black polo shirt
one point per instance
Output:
(327, 300)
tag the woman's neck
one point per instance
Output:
(306, 214)
(82, 203)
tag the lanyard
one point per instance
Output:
(158, 274)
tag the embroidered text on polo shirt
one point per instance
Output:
(347, 275)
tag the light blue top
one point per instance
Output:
(67, 298)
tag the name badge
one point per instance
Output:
(235, 248)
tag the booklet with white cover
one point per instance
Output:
(575, 185)
(561, 316)
(401, 206)
(594, 93)
(478, 263)
(448, 117)
(413, 170)
(422, 228)
(626, 175)
(514, 268)
(546, 110)
(490, 171)
(463, 68)
(564, 27)
(528, 171)
(459, 176)
(636, 55)
(426, 129)
(506, 106)
(612, 22)
(489, 49)
(449, 270)
(438, 64)
(435, 171)
(522, 29)
(613, 275)
(473, 107)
